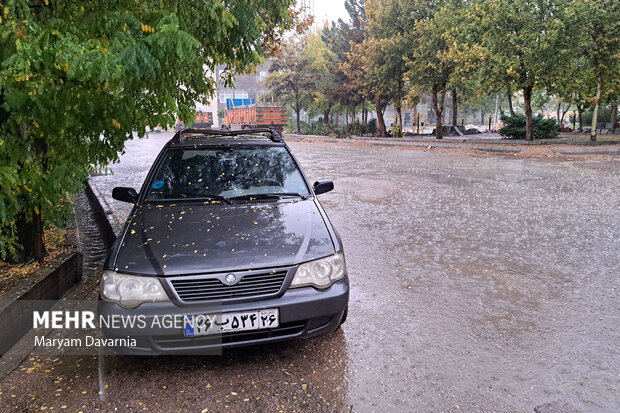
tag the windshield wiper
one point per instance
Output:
(218, 198)
(278, 195)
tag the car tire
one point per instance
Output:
(344, 316)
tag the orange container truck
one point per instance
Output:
(255, 117)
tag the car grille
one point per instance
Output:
(202, 289)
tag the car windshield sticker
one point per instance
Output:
(158, 184)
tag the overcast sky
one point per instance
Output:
(329, 10)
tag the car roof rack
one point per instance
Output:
(272, 133)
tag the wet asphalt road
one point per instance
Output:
(479, 283)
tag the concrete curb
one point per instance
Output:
(107, 232)
(588, 151)
(429, 144)
(46, 293)
(24, 347)
(449, 146)
(15, 322)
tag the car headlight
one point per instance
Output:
(130, 291)
(320, 273)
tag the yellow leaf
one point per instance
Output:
(36, 210)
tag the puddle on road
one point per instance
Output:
(479, 282)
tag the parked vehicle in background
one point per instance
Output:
(180, 125)
(156, 129)
(202, 120)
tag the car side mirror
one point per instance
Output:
(125, 194)
(320, 187)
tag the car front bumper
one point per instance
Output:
(304, 312)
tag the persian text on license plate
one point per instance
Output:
(204, 324)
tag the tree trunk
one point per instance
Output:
(443, 117)
(482, 112)
(557, 113)
(527, 106)
(455, 115)
(564, 113)
(579, 110)
(29, 237)
(509, 96)
(614, 112)
(597, 101)
(297, 109)
(380, 121)
(399, 119)
(438, 102)
(326, 114)
(29, 225)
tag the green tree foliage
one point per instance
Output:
(323, 63)
(78, 78)
(338, 38)
(523, 43)
(291, 78)
(385, 49)
(432, 66)
(597, 35)
(343, 94)
(364, 75)
(376, 66)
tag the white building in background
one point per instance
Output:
(211, 106)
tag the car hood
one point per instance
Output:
(199, 238)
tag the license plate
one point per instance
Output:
(205, 324)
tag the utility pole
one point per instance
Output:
(496, 107)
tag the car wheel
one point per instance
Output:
(344, 317)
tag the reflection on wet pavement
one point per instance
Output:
(479, 283)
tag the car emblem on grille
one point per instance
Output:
(231, 279)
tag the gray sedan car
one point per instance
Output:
(227, 245)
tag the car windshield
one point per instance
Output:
(218, 173)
